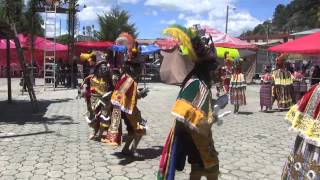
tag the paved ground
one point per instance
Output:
(53, 144)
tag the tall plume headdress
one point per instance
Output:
(193, 47)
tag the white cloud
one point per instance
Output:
(129, 1)
(209, 12)
(238, 22)
(194, 6)
(93, 8)
(154, 12)
(91, 13)
(151, 13)
(168, 22)
(181, 16)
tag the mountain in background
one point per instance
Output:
(298, 15)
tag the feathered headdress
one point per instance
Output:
(281, 58)
(192, 44)
(183, 35)
(128, 40)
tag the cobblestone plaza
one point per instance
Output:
(53, 143)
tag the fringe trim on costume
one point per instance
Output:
(185, 121)
(124, 109)
(305, 125)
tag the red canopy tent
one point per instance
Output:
(309, 44)
(40, 44)
(221, 39)
(85, 46)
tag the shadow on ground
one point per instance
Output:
(245, 113)
(145, 154)
(21, 112)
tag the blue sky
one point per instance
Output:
(151, 16)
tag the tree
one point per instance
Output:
(115, 22)
(63, 39)
(12, 11)
(23, 17)
(280, 18)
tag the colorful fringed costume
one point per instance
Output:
(304, 159)
(124, 100)
(191, 134)
(237, 89)
(266, 90)
(98, 94)
(282, 90)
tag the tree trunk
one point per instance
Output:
(26, 75)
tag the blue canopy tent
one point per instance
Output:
(149, 49)
(119, 48)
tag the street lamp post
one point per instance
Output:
(227, 15)
(227, 18)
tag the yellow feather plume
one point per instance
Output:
(184, 40)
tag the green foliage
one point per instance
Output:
(113, 23)
(16, 11)
(63, 39)
(298, 15)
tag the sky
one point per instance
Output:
(152, 16)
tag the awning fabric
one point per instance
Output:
(221, 39)
(119, 48)
(149, 49)
(309, 44)
(95, 45)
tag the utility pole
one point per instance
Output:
(71, 36)
(8, 71)
(33, 12)
(60, 27)
(268, 43)
(227, 18)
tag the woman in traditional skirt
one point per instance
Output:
(299, 85)
(237, 86)
(266, 90)
(304, 159)
(227, 69)
(191, 136)
(282, 87)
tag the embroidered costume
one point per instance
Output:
(237, 86)
(282, 89)
(124, 100)
(98, 94)
(304, 117)
(191, 136)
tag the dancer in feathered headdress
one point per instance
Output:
(191, 134)
(124, 99)
(98, 89)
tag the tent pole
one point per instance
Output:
(8, 72)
